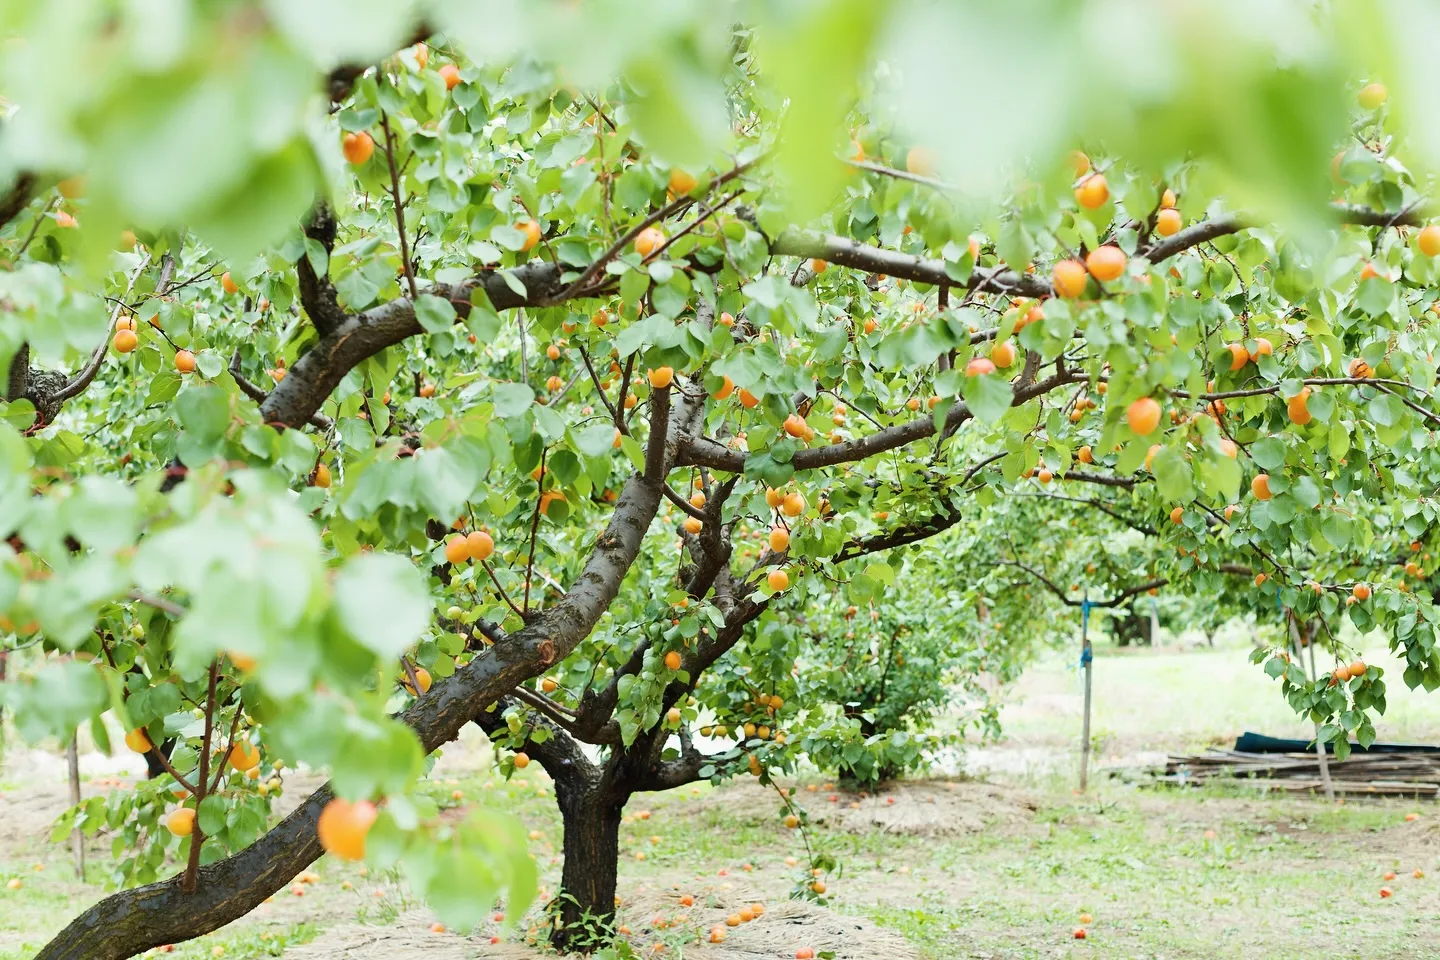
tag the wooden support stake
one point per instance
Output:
(1320, 752)
(1086, 660)
(77, 839)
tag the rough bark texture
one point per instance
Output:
(585, 911)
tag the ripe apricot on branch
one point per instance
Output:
(979, 366)
(681, 182)
(184, 361)
(1239, 356)
(661, 377)
(244, 756)
(480, 545)
(357, 148)
(648, 241)
(1297, 407)
(1106, 263)
(450, 74)
(1429, 240)
(1068, 278)
(125, 341)
(531, 229)
(343, 827)
(1168, 222)
(181, 822)
(920, 161)
(1093, 192)
(1260, 487)
(1143, 416)
(457, 550)
(1002, 354)
(779, 539)
(138, 741)
(778, 580)
(1361, 592)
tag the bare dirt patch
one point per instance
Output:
(928, 808)
(781, 930)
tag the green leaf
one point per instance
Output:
(434, 313)
(596, 440)
(512, 399)
(1173, 475)
(382, 602)
(204, 411)
(988, 396)
(210, 815)
(1268, 453)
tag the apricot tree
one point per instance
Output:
(454, 384)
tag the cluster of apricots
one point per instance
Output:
(476, 546)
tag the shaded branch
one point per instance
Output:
(17, 198)
(317, 293)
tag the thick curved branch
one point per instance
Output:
(1208, 230)
(360, 336)
(702, 451)
(317, 293)
(845, 252)
(255, 393)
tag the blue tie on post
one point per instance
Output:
(1085, 655)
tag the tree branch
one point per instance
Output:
(702, 451)
(17, 198)
(77, 384)
(317, 293)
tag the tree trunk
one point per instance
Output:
(585, 907)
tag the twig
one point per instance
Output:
(35, 228)
(399, 206)
(900, 174)
(501, 590)
(159, 603)
(670, 209)
(76, 385)
(534, 530)
(197, 837)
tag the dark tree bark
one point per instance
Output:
(590, 809)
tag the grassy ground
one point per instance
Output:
(999, 874)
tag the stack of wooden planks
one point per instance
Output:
(1360, 774)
